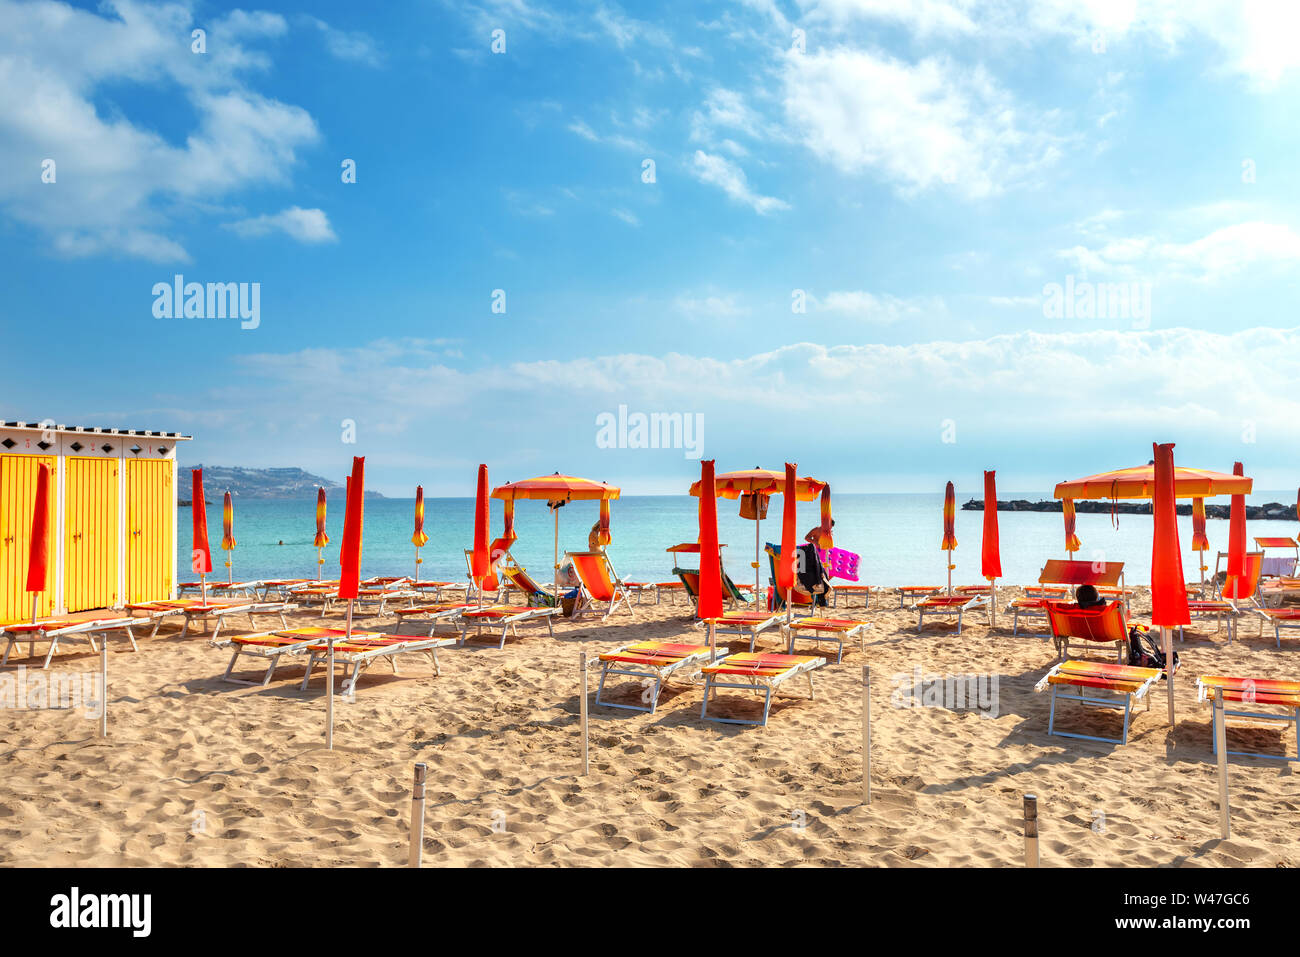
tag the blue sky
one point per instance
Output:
(918, 175)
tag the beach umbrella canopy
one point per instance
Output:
(353, 523)
(227, 523)
(321, 538)
(202, 554)
(38, 554)
(420, 538)
(1237, 531)
(785, 568)
(1139, 482)
(556, 488)
(949, 518)
(1200, 541)
(710, 600)
(1072, 543)
(733, 485)
(990, 553)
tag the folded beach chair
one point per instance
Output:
(763, 673)
(534, 595)
(363, 649)
(948, 605)
(435, 614)
(271, 646)
(690, 583)
(1253, 691)
(838, 630)
(651, 661)
(507, 618)
(1067, 620)
(65, 628)
(194, 609)
(1125, 680)
(1247, 588)
(742, 623)
(600, 583)
(914, 592)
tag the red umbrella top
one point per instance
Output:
(785, 568)
(480, 561)
(949, 518)
(1168, 591)
(353, 525)
(38, 557)
(990, 553)
(1237, 531)
(710, 567)
(202, 554)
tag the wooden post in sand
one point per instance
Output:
(1031, 831)
(866, 734)
(417, 815)
(1221, 746)
(582, 707)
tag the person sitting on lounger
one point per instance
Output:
(1086, 596)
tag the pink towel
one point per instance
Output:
(839, 563)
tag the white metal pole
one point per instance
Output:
(1167, 636)
(950, 571)
(757, 549)
(417, 815)
(586, 760)
(556, 513)
(103, 685)
(866, 734)
(320, 564)
(1031, 831)
(36, 597)
(1221, 745)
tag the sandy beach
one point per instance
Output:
(201, 772)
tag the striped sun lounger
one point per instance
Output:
(751, 623)
(195, 609)
(948, 605)
(448, 612)
(914, 592)
(1125, 680)
(363, 649)
(54, 629)
(651, 661)
(271, 646)
(763, 673)
(1254, 692)
(505, 617)
(838, 630)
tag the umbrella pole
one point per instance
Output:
(950, 571)
(417, 563)
(757, 539)
(1167, 636)
(36, 597)
(556, 552)
(320, 562)
(203, 587)
(103, 685)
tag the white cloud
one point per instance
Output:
(919, 126)
(869, 307)
(354, 46)
(56, 62)
(730, 178)
(304, 225)
(627, 216)
(1220, 254)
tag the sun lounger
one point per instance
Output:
(280, 586)
(195, 609)
(54, 629)
(690, 582)
(838, 630)
(1059, 578)
(448, 612)
(507, 618)
(849, 591)
(600, 583)
(1221, 611)
(641, 588)
(1125, 680)
(651, 661)
(763, 673)
(1274, 566)
(1253, 691)
(228, 589)
(914, 592)
(1279, 618)
(1067, 620)
(751, 623)
(534, 595)
(438, 587)
(272, 646)
(363, 649)
(1034, 604)
(948, 605)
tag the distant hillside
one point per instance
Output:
(262, 483)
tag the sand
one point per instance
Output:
(200, 772)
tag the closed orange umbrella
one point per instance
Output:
(1072, 543)
(321, 539)
(990, 551)
(480, 559)
(38, 554)
(785, 568)
(949, 527)
(603, 536)
(228, 533)
(201, 554)
(710, 600)
(825, 535)
(349, 577)
(1200, 541)
(508, 537)
(1168, 592)
(419, 539)
(1237, 531)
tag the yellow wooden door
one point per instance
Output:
(150, 517)
(17, 499)
(89, 533)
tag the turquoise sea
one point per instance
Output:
(897, 536)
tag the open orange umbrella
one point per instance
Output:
(1072, 543)
(1237, 531)
(949, 527)
(556, 491)
(1139, 482)
(1168, 591)
(228, 534)
(321, 539)
(710, 599)
(754, 487)
(419, 539)
(990, 550)
(38, 546)
(201, 554)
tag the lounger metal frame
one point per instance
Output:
(1093, 701)
(767, 684)
(508, 623)
(660, 674)
(85, 629)
(1205, 694)
(948, 608)
(355, 663)
(839, 635)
